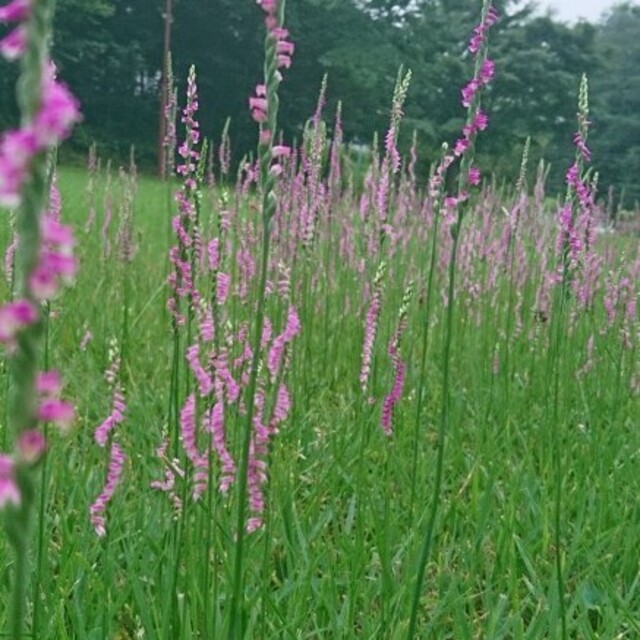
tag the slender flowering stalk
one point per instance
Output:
(264, 109)
(114, 476)
(570, 246)
(224, 151)
(216, 427)
(169, 142)
(200, 462)
(391, 162)
(292, 329)
(92, 169)
(168, 485)
(181, 280)
(576, 228)
(43, 260)
(104, 434)
(399, 366)
(371, 325)
(184, 298)
(484, 71)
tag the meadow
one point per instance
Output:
(314, 405)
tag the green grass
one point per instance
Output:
(345, 517)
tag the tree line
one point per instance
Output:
(111, 52)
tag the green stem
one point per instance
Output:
(423, 363)
(236, 628)
(556, 449)
(442, 432)
(43, 493)
(21, 578)
(267, 184)
(24, 363)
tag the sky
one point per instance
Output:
(571, 10)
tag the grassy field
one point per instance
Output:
(542, 413)
(309, 405)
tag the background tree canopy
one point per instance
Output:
(110, 51)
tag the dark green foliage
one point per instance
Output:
(110, 51)
(616, 103)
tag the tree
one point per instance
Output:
(616, 104)
(539, 63)
(106, 50)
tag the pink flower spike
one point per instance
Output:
(258, 108)
(285, 48)
(16, 150)
(9, 491)
(259, 116)
(280, 151)
(276, 170)
(475, 43)
(487, 71)
(270, 6)
(59, 111)
(49, 384)
(265, 136)
(60, 264)
(114, 475)
(213, 253)
(492, 16)
(20, 146)
(468, 92)
(31, 446)
(261, 91)
(57, 411)
(223, 281)
(450, 202)
(14, 44)
(480, 121)
(9, 189)
(15, 316)
(462, 144)
(43, 283)
(284, 62)
(573, 176)
(58, 234)
(474, 176)
(15, 11)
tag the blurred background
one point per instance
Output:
(111, 52)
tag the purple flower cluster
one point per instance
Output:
(371, 326)
(114, 474)
(284, 49)
(56, 262)
(480, 31)
(576, 234)
(483, 77)
(57, 113)
(399, 366)
(181, 278)
(103, 433)
(478, 120)
(31, 443)
(263, 431)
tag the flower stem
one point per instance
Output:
(425, 551)
(267, 184)
(24, 363)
